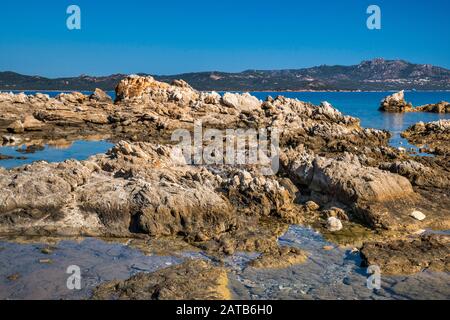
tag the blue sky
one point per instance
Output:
(168, 37)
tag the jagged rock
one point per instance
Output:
(136, 188)
(348, 180)
(348, 172)
(440, 107)
(42, 96)
(73, 97)
(135, 86)
(100, 96)
(337, 213)
(418, 174)
(396, 103)
(7, 139)
(20, 98)
(153, 108)
(182, 84)
(371, 191)
(32, 124)
(137, 89)
(210, 97)
(193, 280)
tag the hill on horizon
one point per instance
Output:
(376, 75)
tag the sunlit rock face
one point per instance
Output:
(396, 103)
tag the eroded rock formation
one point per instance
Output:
(396, 103)
(432, 136)
(330, 167)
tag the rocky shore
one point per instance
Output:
(432, 136)
(396, 103)
(333, 175)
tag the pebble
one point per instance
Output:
(334, 224)
(418, 215)
(46, 251)
(45, 261)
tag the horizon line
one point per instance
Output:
(217, 71)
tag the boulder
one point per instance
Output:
(440, 107)
(241, 102)
(72, 98)
(100, 96)
(138, 188)
(396, 103)
(312, 206)
(346, 179)
(147, 90)
(379, 198)
(134, 87)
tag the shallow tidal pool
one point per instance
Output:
(30, 271)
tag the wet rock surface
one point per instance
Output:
(409, 256)
(194, 280)
(432, 136)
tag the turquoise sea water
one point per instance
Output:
(363, 105)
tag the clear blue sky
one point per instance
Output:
(168, 37)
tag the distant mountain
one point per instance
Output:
(377, 74)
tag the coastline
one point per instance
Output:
(238, 91)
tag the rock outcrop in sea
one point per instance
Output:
(440, 107)
(433, 137)
(396, 103)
